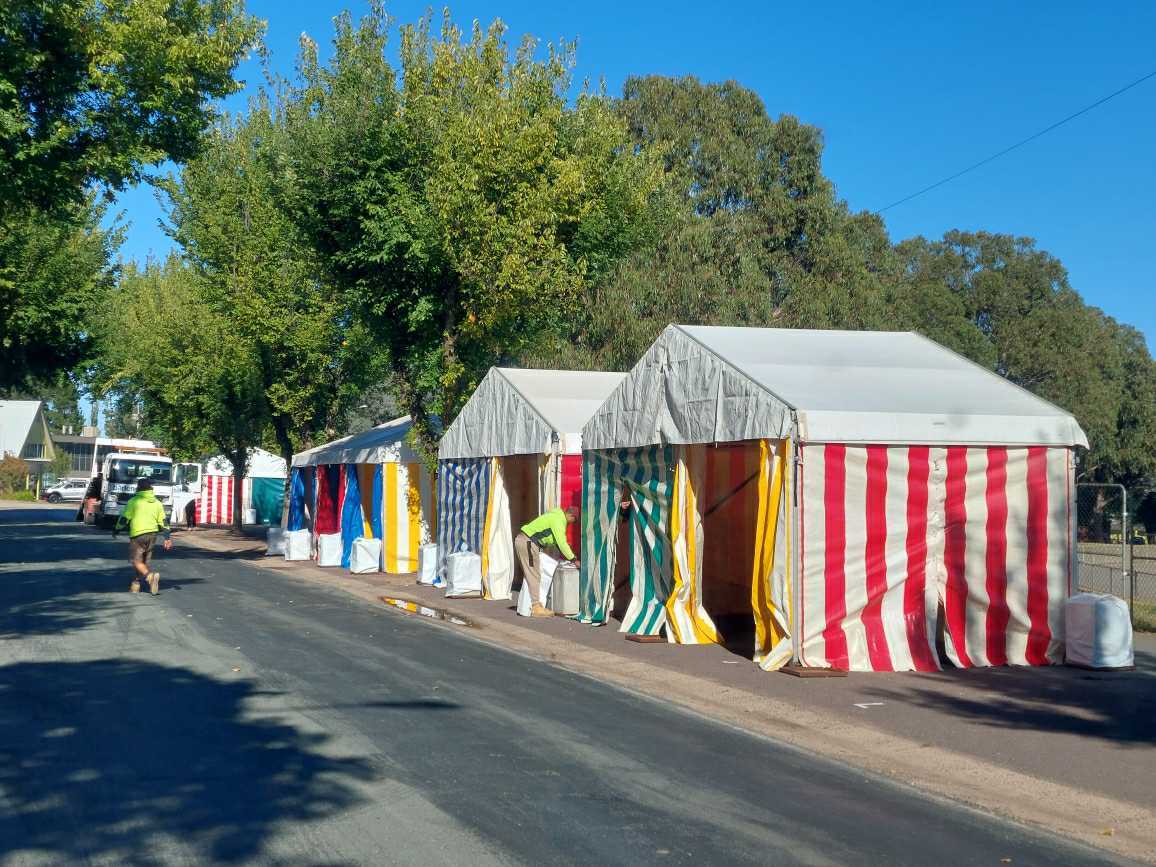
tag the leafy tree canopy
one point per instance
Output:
(93, 91)
(255, 272)
(54, 271)
(463, 202)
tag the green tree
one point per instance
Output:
(1009, 306)
(61, 398)
(54, 270)
(93, 91)
(464, 203)
(256, 273)
(759, 237)
(191, 374)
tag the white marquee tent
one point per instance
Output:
(872, 479)
(514, 450)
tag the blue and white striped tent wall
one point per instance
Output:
(462, 498)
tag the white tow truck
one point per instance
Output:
(121, 471)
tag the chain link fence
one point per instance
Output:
(1102, 539)
(1115, 555)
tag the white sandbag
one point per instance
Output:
(275, 542)
(564, 590)
(1098, 631)
(298, 545)
(427, 568)
(365, 556)
(329, 549)
(546, 567)
(463, 574)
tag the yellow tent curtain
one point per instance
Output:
(770, 572)
(715, 516)
(407, 508)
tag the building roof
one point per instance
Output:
(720, 384)
(382, 444)
(518, 411)
(18, 419)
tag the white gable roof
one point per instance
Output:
(382, 444)
(262, 465)
(17, 421)
(699, 384)
(515, 411)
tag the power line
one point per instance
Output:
(1020, 144)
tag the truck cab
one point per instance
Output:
(122, 471)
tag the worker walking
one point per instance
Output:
(547, 530)
(145, 517)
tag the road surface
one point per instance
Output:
(247, 717)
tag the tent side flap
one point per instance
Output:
(496, 420)
(681, 393)
(891, 535)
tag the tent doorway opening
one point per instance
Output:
(520, 477)
(729, 505)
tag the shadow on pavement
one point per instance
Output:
(48, 602)
(1112, 706)
(115, 760)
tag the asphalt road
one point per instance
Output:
(247, 717)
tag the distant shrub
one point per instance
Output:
(13, 473)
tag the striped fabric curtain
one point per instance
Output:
(352, 524)
(646, 475)
(890, 534)
(405, 507)
(687, 620)
(462, 492)
(771, 570)
(296, 517)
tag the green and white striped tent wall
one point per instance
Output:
(646, 475)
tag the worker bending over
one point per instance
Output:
(547, 530)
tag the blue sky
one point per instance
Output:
(904, 97)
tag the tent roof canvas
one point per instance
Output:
(519, 411)
(701, 384)
(17, 420)
(262, 465)
(382, 444)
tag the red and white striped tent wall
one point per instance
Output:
(214, 504)
(909, 509)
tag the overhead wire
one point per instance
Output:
(1021, 143)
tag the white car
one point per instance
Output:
(66, 491)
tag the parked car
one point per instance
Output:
(66, 490)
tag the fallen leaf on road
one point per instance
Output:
(1108, 832)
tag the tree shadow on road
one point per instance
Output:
(117, 760)
(49, 602)
(1112, 706)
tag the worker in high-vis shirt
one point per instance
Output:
(546, 531)
(144, 516)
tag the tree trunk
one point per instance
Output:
(240, 459)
